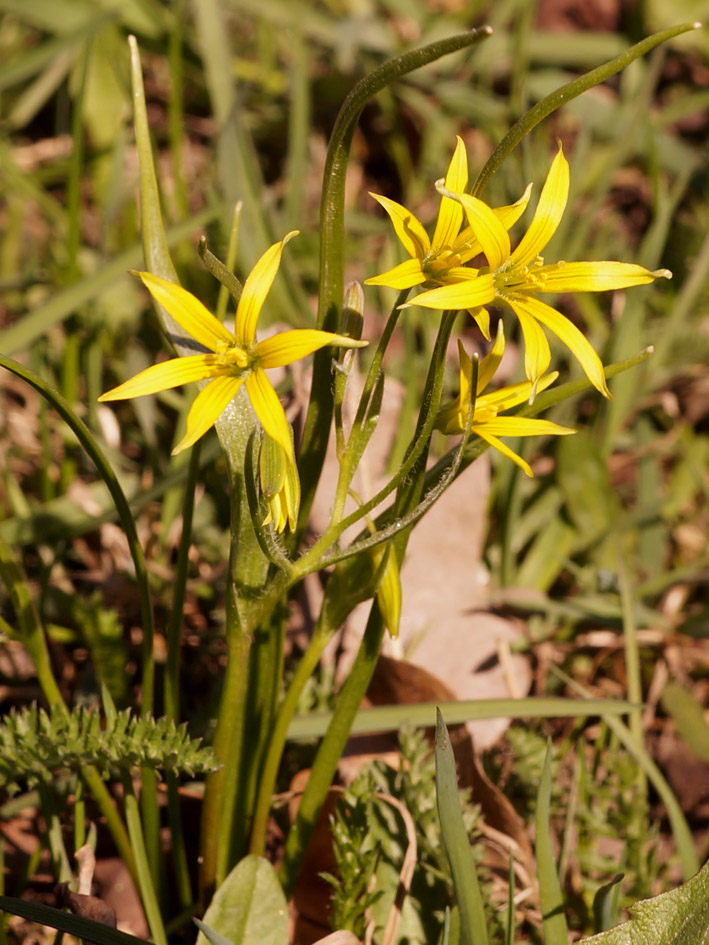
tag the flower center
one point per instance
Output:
(529, 278)
(233, 356)
(439, 261)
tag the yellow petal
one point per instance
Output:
(569, 334)
(505, 450)
(208, 406)
(467, 244)
(482, 320)
(450, 215)
(404, 276)
(469, 294)
(491, 234)
(536, 347)
(289, 346)
(549, 212)
(522, 426)
(510, 214)
(593, 276)
(389, 594)
(166, 375)
(412, 235)
(514, 394)
(268, 409)
(256, 288)
(187, 311)
(491, 361)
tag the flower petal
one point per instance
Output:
(492, 235)
(502, 448)
(523, 426)
(482, 320)
(404, 276)
(268, 409)
(593, 276)
(467, 244)
(256, 288)
(536, 347)
(187, 311)
(548, 214)
(450, 215)
(289, 346)
(491, 361)
(510, 214)
(504, 398)
(569, 334)
(168, 374)
(208, 406)
(469, 294)
(411, 233)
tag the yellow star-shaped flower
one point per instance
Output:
(232, 359)
(441, 260)
(487, 423)
(514, 278)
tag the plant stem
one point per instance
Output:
(317, 424)
(267, 780)
(145, 883)
(330, 750)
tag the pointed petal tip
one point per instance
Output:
(662, 274)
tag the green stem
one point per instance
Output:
(330, 750)
(550, 895)
(174, 630)
(145, 882)
(317, 424)
(315, 557)
(178, 850)
(251, 598)
(565, 94)
(277, 740)
(55, 839)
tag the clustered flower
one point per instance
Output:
(445, 267)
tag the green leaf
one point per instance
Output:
(249, 908)
(678, 917)
(550, 895)
(81, 928)
(455, 840)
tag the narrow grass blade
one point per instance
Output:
(88, 442)
(455, 841)
(393, 717)
(85, 929)
(553, 918)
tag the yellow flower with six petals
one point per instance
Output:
(514, 278)
(441, 260)
(231, 359)
(487, 423)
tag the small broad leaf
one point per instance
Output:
(249, 908)
(678, 917)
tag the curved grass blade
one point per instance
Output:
(393, 717)
(550, 895)
(88, 442)
(455, 840)
(81, 928)
(567, 92)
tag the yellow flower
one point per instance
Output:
(232, 359)
(514, 278)
(487, 423)
(440, 261)
(280, 484)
